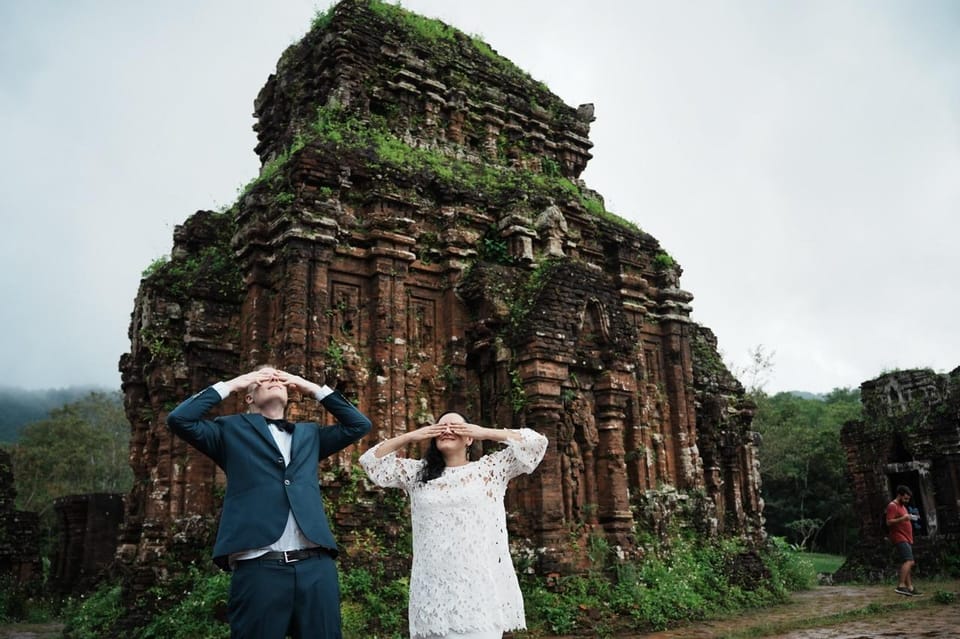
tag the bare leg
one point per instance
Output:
(906, 580)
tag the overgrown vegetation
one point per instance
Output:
(373, 604)
(693, 579)
(209, 271)
(92, 616)
(386, 153)
(432, 32)
(212, 269)
(197, 614)
(493, 248)
(663, 261)
(523, 301)
(24, 602)
(197, 610)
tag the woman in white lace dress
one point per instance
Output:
(462, 583)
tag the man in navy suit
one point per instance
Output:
(273, 532)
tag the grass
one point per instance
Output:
(823, 562)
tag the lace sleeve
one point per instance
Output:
(390, 471)
(522, 456)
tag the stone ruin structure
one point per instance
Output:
(89, 525)
(420, 235)
(19, 534)
(910, 435)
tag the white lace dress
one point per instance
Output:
(462, 577)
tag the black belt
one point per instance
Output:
(290, 556)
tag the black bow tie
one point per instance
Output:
(282, 424)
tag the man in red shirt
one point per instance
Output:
(900, 529)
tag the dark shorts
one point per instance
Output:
(905, 551)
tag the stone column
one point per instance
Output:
(389, 262)
(612, 393)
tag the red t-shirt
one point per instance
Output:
(902, 530)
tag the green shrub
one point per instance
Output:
(90, 617)
(789, 569)
(689, 580)
(548, 609)
(373, 604)
(663, 261)
(191, 606)
(195, 616)
(22, 602)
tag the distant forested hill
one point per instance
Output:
(807, 395)
(19, 407)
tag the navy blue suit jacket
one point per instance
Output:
(261, 490)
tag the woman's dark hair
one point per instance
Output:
(433, 463)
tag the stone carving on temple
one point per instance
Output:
(552, 227)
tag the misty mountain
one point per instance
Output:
(807, 395)
(19, 407)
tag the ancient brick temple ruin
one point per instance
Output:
(909, 435)
(19, 534)
(88, 525)
(419, 234)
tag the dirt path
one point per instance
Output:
(32, 631)
(929, 620)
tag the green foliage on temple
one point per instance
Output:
(211, 269)
(433, 33)
(344, 132)
(207, 270)
(663, 261)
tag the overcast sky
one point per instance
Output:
(800, 160)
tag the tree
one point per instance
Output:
(803, 467)
(755, 375)
(19, 407)
(82, 447)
